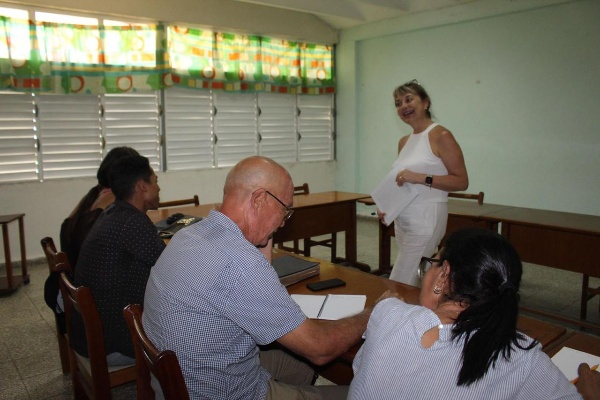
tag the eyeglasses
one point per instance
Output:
(426, 263)
(288, 211)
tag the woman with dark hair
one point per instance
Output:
(431, 161)
(462, 342)
(76, 226)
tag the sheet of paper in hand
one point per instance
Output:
(392, 199)
(168, 227)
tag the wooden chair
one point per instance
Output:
(469, 196)
(194, 200)
(57, 263)
(92, 378)
(163, 365)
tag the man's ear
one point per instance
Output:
(141, 185)
(257, 198)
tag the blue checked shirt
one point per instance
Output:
(212, 297)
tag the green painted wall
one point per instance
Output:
(518, 88)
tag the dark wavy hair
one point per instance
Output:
(415, 88)
(485, 274)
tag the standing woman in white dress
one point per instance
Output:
(431, 160)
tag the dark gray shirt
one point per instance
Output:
(115, 262)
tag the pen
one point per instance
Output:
(574, 381)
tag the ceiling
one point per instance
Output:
(343, 14)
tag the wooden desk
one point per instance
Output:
(461, 214)
(555, 239)
(314, 214)
(578, 341)
(324, 213)
(549, 238)
(10, 283)
(357, 282)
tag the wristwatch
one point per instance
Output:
(429, 180)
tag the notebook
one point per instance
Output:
(292, 269)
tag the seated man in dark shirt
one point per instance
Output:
(117, 255)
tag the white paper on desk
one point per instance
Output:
(392, 199)
(332, 306)
(309, 304)
(568, 360)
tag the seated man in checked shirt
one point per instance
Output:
(213, 298)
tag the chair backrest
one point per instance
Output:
(57, 263)
(54, 257)
(80, 300)
(302, 189)
(194, 200)
(469, 196)
(164, 364)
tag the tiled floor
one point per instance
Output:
(30, 367)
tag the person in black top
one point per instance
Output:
(77, 225)
(117, 254)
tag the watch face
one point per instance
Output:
(429, 180)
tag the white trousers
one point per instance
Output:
(419, 230)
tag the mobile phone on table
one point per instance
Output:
(326, 284)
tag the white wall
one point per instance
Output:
(47, 204)
(517, 84)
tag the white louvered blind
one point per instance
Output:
(203, 129)
(277, 126)
(189, 128)
(70, 135)
(235, 127)
(134, 120)
(316, 128)
(18, 153)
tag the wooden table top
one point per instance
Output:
(571, 222)
(315, 199)
(300, 201)
(5, 219)
(197, 211)
(471, 208)
(578, 341)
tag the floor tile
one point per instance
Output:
(48, 384)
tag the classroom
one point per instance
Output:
(515, 81)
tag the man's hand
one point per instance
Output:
(588, 384)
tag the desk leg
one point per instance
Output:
(585, 283)
(24, 273)
(7, 262)
(350, 238)
(385, 248)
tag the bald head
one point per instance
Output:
(256, 196)
(256, 172)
